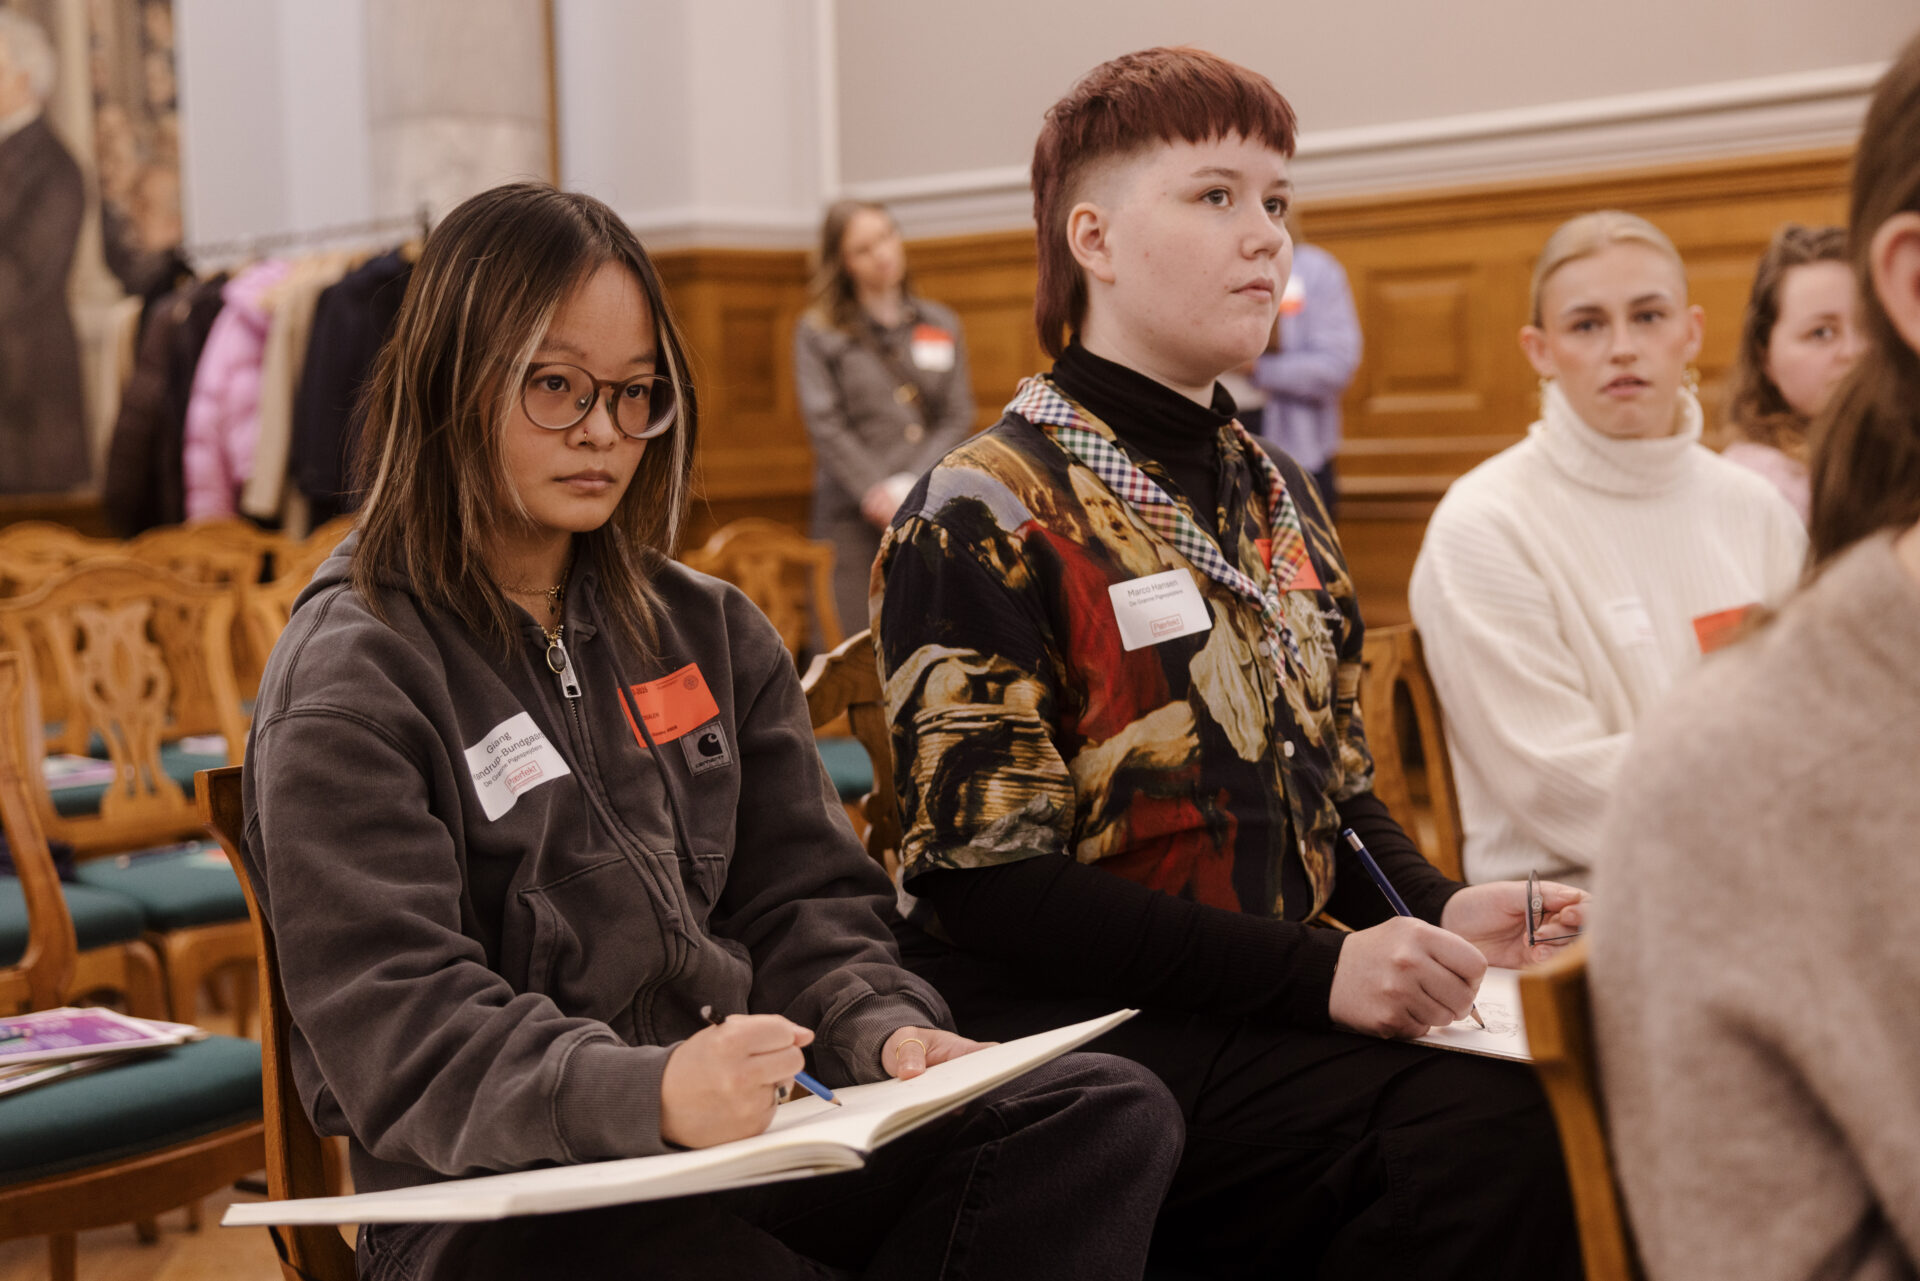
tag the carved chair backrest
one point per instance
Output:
(32, 551)
(846, 682)
(230, 552)
(270, 605)
(789, 576)
(41, 974)
(1391, 661)
(145, 657)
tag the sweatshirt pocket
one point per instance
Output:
(598, 941)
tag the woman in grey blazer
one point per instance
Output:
(883, 387)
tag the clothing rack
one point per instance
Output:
(241, 247)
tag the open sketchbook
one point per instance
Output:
(1505, 1036)
(807, 1137)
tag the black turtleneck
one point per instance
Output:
(1154, 420)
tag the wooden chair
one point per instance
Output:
(32, 551)
(299, 1161)
(125, 1143)
(790, 577)
(145, 658)
(1559, 1019)
(846, 682)
(1391, 660)
(233, 553)
(271, 604)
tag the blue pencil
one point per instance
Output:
(1393, 896)
(800, 1079)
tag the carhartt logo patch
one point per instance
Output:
(706, 748)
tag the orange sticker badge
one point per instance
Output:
(1715, 631)
(674, 704)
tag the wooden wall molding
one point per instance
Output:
(1440, 278)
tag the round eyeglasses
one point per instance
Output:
(559, 397)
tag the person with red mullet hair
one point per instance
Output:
(1122, 653)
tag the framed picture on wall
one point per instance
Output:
(89, 212)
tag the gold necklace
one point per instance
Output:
(556, 599)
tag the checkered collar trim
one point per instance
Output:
(1091, 442)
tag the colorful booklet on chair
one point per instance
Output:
(68, 1033)
(1504, 1037)
(807, 1137)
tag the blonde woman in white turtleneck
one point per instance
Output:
(1567, 582)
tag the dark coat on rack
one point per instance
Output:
(350, 323)
(43, 425)
(144, 485)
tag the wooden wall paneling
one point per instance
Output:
(1440, 278)
(738, 309)
(1441, 281)
(989, 282)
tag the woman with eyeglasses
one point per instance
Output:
(526, 799)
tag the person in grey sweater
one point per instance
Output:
(524, 798)
(1755, 971)
(884, 388)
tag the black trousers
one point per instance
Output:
(1057, 1174)
(1322, 1153)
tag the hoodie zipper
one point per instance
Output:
(570, 695)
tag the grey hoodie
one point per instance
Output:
(490, 935)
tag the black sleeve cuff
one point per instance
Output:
(1356, 900)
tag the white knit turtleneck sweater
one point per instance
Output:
(1556, 593)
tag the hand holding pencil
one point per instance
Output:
(1403, 976)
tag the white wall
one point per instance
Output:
(731, 121)
(697, 119)
(939, 103)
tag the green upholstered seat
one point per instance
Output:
(100, 917)
(191, 884)
(129, 1108)
(180, 765)
(847, 765)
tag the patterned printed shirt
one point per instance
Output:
(1207, 765)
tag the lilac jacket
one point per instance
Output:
(1319, 350)
(223, 412)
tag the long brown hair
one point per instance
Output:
(431, 460)
(1756, 410)
(1117, 109)
(1866, 445)
(834, 298)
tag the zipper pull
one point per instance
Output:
(562, 666)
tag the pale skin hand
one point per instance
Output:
(722, 1083)
(1493, 917)
(1402, 977)
(900, 1058)
(1405, 976)
(880, 503)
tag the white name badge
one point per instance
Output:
(932, 349)
(1158, 608)
(513, 758)
(1628, 621)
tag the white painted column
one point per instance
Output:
(456, 100)
(696, 119)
